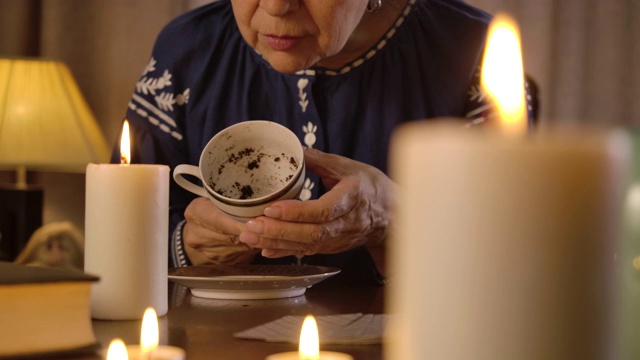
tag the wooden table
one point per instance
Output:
(205, 327)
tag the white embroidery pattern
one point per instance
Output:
(302, 83)
(305, 194)
(477, 94)
(165, 100)
(310, 134)
(307, 72)
(149, 85)
(151, 66)
(309, 139)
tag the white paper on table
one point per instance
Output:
(354, 328)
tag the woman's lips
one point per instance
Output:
(281, 43)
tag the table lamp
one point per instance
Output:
(45, 125)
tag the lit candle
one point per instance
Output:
(117, 350)
(149, 339)
(502, 76)
(309, 347)
(503, 245)
(126, 231)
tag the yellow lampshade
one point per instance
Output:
(45, 122)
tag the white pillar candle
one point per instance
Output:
(630, 262)
(504, 244)
(504, 248)
(126, 235)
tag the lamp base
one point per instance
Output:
(20, 216)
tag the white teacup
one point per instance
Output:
(246, 167)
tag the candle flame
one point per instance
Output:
(125, 144)
(309, 348)
(503, 74)
(117, 350)
(149, 333)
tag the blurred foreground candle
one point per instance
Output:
(309, 348)
(630, 262)
(149, 349)
(126, 231)
(503, 245)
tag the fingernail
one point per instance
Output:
(267, 253)
(273, 212)
(255, 226)
(250, 239)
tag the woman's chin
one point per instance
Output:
(286, 64)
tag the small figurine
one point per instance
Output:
(57, 245)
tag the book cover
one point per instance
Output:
(44, 310)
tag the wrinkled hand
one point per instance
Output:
(211, 237)
(353, 212)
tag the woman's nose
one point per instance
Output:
(279, 7)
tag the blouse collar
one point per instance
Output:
(368, 55)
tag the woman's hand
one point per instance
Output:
(211, 237)
(353, 212)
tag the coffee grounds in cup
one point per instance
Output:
(254, 176)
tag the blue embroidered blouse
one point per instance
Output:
(203, 77)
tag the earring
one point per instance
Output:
(374, 5)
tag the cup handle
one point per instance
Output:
(178, 176)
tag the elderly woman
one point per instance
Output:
(342, 74)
